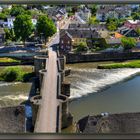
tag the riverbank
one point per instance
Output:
(98, 57)
(110, 123)
(16, 73)
(8, 60)
(115, 65)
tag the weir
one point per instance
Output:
(50, 104)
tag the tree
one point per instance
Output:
(17, 10)
(111, 26)
(23, 27)
(46, 27)
(81, 47)
(6, 11)
(138, 31)
(3, 16)
(136, 16)
(93, 20)
(9, 34)
(94, 9)
(128, 43)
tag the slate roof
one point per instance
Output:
(97, 27)
(124, 30)
(117, 9)
(80, 33)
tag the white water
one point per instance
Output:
(8, 84)
(14, 97)
(87, 81)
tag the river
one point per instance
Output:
(94, 91)
(12, 94)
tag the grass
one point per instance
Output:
(129, 64)
(8, 60)
(16, 73)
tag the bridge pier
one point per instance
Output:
(41, 75)
(40, 63)
(35, 103)
(67, 118)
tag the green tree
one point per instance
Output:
(23, 27)
(128, 43)
(6, 11)
(46, 27)
(81, 47)
(9, 34)
(94, 9)
(136, 16)
(138, 31)
(93, 20)
(3, 16)
(17, 10)
(111, 26)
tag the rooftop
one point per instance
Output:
(134, 21)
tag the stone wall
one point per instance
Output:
(112, 123)
(12, 119)
(77, 58)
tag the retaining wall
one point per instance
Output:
(95, 57)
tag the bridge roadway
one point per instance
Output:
(47, 115)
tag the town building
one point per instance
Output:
(127, 32)
(9, 23)
(83, 14)
(112, 11)
(133, 24)
(58, 15)
(79, 33)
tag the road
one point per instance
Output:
(46, 120)
(55, 38)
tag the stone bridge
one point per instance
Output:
(50, 105)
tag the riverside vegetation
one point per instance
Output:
(9, 60)
(16, 73)
(128, 64)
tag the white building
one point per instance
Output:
(10, 22)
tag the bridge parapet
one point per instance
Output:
(40, 63)
(41, 75)
(64, 93)
(35, 103)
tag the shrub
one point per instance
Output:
(17, 73)
(81, 47)
(128, 42)
(28, 76)
(11, 74)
